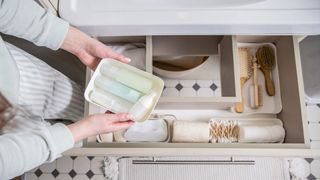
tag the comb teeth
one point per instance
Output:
(245, 63)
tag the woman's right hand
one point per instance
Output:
(99, 124)
(89, 50)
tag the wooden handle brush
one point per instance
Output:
(256, 98)
(245, 73)
(266, 60)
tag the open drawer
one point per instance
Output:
(208, 69)
(293, 113)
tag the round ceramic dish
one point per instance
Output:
(186, 64)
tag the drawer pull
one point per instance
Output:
(194, 162)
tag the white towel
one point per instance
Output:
(261, 134)
(118, 136)
(191, 131)
(135, 51)
(103, 138)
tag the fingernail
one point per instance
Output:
(127, 59)
(129, 116)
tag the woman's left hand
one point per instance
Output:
(99, 124)
(89, 50)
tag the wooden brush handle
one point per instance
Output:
(255, 86)
(239, 107)
(256, 96)
(269, 83)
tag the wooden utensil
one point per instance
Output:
(256, 98)
(245, 73)
(266, 60)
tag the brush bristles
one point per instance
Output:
(245, 63)
(265, 56)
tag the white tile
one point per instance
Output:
(170, 82)
(315, 168)
(81, 164)
(217, 82)
(63, 177)
(204, 83)
(81, 177)
(314, 131)
(205, 92)
(46, 177)
(30, 176)
(98, 177)
(313, 113)
(97, 165)
(217, 92)
(315, 145)
(48, 167)
(170, 92)
(187, 83)
(188, 92)
(64, 164)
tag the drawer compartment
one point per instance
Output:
(199, 71)
(291, 85)
(292, 114)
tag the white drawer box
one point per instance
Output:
(293, 113)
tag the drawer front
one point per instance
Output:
(293, 113)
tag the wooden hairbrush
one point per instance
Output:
(266, 60)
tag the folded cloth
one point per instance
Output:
(261, 134)
(135, 51)
(118, 136)
(102, 138)
(147, 131)
(191, 131)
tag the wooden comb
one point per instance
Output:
(245, 74)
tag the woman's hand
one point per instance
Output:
(99, 124)
(89, 50)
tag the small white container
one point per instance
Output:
(130, 86)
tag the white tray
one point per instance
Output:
(271, 104)
(157, 85)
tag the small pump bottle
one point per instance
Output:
(141, 108)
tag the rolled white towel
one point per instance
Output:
(191, 131)
(147, 131)
(261, 134)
